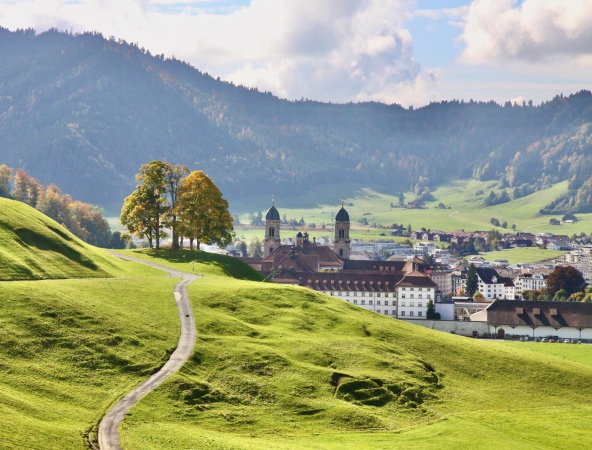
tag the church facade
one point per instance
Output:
(399, 289)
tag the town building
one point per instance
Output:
(400, 289)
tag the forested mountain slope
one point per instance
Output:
(85, 112)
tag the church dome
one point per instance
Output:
(342, 216)
(272, 214)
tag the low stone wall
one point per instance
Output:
(463, 328)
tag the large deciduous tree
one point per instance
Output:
(145, 210)
(202, 212)
(566, 278)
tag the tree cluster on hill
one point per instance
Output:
(84, 220)
(97, 105)
(497, 199)
(190, 205)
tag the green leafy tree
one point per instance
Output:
(146, 209)
(202, 212)
(431, 313)
(472, 281)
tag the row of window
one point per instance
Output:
(361, 294)
(418, 296)
(363, 302)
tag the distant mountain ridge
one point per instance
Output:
(85, 112)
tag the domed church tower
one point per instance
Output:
(272, 230)
(342, 240)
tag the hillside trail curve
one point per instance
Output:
(108, 433)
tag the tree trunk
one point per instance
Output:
(190, 243)
(175, 237)
(196, 244)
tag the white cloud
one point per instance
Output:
(331, 50)
(533, 31)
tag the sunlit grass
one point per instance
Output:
(70, 348)
(261, 377)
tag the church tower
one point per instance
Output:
(272, 230)
(342, 240)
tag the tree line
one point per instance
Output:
(84, 220)
(171, 200)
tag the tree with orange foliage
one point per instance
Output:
(202, 212)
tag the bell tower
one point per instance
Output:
(342, 240)
(272, 230)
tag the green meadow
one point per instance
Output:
(283, 367)
(274, 366)
(464, 202)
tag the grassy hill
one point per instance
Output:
(284, 367)
(33, 247)
(275, 366)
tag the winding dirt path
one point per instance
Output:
(108, 428)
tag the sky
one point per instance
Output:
(409, 52)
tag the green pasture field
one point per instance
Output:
(464, 210)
(263, 376)
(70, 348)
(523, 255)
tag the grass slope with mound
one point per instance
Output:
(33, 246)
(284, 367)
(70, 348)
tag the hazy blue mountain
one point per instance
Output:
(85, 112)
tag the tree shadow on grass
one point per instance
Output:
(229, 265)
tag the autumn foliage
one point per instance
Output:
(84, 220)
(166, 200)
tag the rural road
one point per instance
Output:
(108, 428)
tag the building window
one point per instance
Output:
(378, 302)
(394, 303)
(355, 302)
(363, 302)
(411, 296)
(419, 296)
(378, 295)
(331, 292)
(419, 314)
(402, 313)
(411, 303)
(386, 303)
(347, 294)
(378, 311)
(386, 312)
(403, 296)
(419, 304)
(410, 313)
(363, 294)
(370, 302)
(402, 303)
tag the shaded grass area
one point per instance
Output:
(283, 367)
(70, 348)
(198, 262)
(33, 247)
